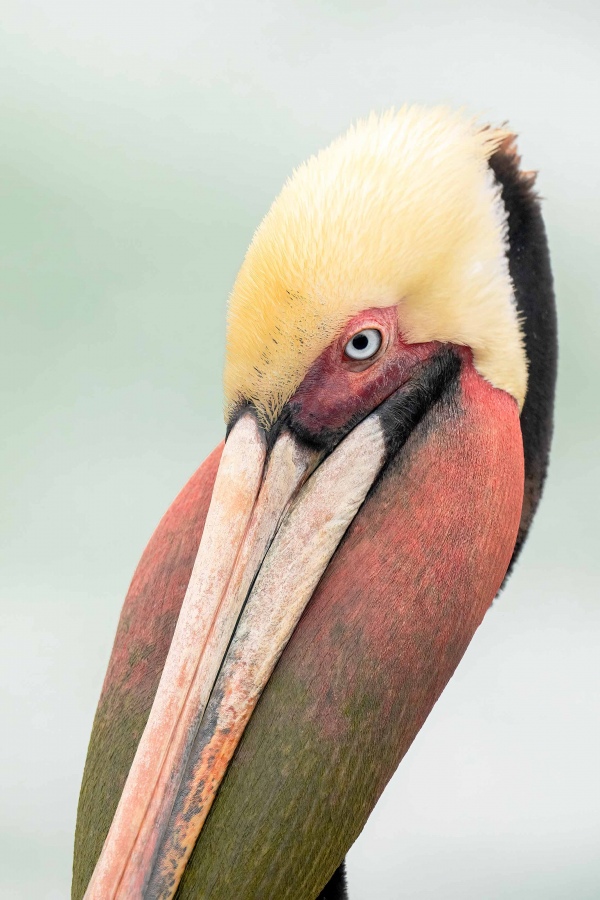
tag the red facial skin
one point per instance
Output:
(337, 389)
(385, 629)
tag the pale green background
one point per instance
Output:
(140, 145)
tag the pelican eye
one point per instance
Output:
(364, 344)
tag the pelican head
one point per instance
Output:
(389, 382)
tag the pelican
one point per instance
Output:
(389, 384)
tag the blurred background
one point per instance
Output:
(140, 145)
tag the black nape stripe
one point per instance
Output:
(336, 888)
(529, 265)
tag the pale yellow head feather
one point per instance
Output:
(402, 209)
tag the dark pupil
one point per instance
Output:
(360, 342)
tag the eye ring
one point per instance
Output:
(364, 344)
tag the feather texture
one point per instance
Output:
(402, 210)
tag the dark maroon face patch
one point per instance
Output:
(357, 372)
